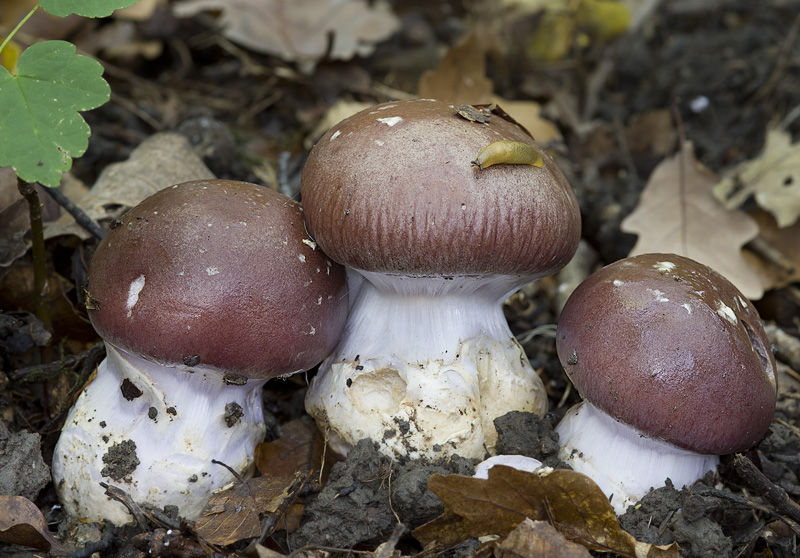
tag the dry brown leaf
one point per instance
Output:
(774, 178)
(142, 10)
(710, 234)
(777, 250)
(529, 115)
(300, 30)
(460, 77)
(533, 538)
(233, 515)
(299, 449)
(22, 523)
(570, 501)
(163, 159)
(651, 131)
(264, 552)
(340, 110)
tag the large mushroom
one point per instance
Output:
(202, 293)
(434, 244)
(674, 367)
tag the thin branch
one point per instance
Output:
(77, 213)
(40, 284)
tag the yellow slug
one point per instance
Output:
(509, 153)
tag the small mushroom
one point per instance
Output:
(434, 245)
(202, 293)
(674, 367)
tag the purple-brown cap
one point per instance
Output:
(217, 273)
(673, 349)
(392, 189)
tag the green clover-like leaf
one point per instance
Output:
(40, 128)
(86, 8)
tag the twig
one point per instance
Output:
(787, 346)
(269, 526)
(387, 549)
(780, 67)
(77, 213)
(747, 503)
(116, 493)
(40, 284)
(758, 482)
(241, 480)
(622, 143)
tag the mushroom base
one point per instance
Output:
(623, 462)
(153, 431)
(424, 367)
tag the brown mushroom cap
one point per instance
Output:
(392, 189)
(223, 279)
(673, 349)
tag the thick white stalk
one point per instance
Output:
(623, 462)
(424, 367)
(179, 418)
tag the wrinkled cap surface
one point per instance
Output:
(216, 273)
(672, 348)
(392, 189)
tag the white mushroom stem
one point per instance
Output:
(625, 464)
(518, 462)
(182, 420)
(424, 367)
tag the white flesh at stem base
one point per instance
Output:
(183, 419)
(624, 463)
(424, 367)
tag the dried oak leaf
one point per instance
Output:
(774, 178)
(461, 75)
(300, 448)
(22, 523)
(298, 30)
(570, 501)
(690, 222)
(233, 515)
(163, 159)
(777, 254)
(533, 538)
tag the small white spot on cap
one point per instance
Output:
(212, 271)
(301, 257)
(386, 107)
(659, 295)
(664, 267)
(741, 301)
(617, 283)
(687, 306)
(391, 121)
(133, 293)
(726, 312)
(310, 243)
(319, 301)
(379, 143)
(312, 332)
(335, 135)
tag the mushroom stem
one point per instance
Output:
(623, 462)
(179, 418)
(424, 367)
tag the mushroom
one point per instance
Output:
(434, 245)
(202, 292)
(674, 367)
